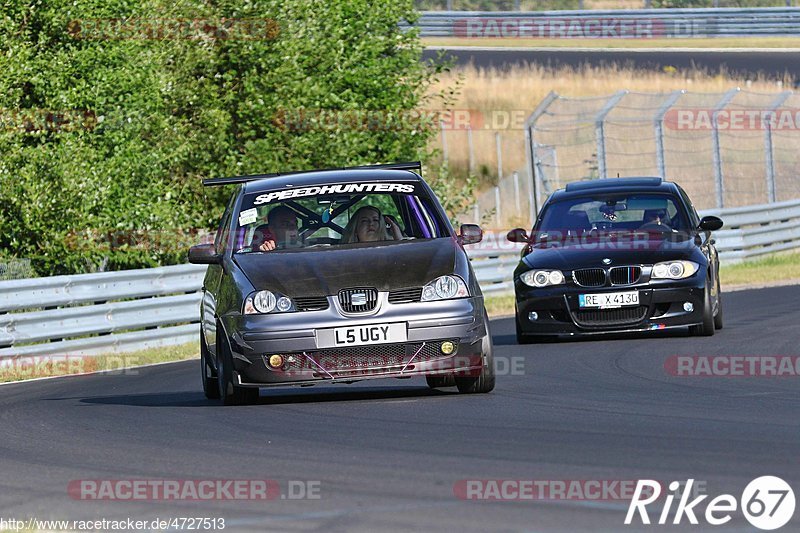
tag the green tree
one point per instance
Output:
(109, 137)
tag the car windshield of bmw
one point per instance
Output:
(348, 215)
(602, 215)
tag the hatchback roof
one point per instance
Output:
(329, 177)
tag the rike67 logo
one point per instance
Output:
(767, 503)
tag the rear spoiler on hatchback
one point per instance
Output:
(415, 166)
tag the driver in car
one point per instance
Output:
(280, 231)
(655, 219)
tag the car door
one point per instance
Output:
(213, 281)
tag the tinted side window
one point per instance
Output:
(223, 232)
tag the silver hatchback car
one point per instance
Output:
(337, 276)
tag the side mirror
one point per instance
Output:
(470, 234)
(203, 254)
(710, 223)
(518, 235)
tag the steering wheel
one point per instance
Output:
(655, 226)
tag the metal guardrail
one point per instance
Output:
(610, 24)
(136, 309)
(100, 313)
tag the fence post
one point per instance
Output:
(718, 177)
(658, 124)
(769, 152)
(516, 193)
(530, 149)
(599, 131)
(499, 147)
(497, 205)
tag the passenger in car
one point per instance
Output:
(280, 231)
(368, 225)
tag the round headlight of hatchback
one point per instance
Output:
(445, 287)
(264, 301)
(283, 304)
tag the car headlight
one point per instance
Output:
(674, 269)
(444, 288)
(263, 302)
(542, 278)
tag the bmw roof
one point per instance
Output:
(638, 184)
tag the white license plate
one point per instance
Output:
(607, 300)
(362, 335)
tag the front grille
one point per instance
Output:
(625, 275)
(313, 303)
(590, 277)
(610, 317)
(357, 358)
(358, 300)
(402, 296)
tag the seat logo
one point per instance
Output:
(358, 298)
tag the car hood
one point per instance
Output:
(591, 254)
(325, 271)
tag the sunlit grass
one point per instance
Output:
(770, 269)
(30, 367)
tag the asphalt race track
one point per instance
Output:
(387, 455)
(772, 63)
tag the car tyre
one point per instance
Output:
(706, 328)
(208, 374)
(230, 393)
(718, 316)
(485, 381)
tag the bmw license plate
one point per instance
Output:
(362, 335)
(609, 300)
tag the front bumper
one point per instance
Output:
(253, 338)
(661, 306)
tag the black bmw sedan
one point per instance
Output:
(614, 255)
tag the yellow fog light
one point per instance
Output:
(447, 347)
(276, 361)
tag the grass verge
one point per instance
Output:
(783, 267)
(722, 42)
(42, 366)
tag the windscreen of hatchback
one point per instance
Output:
(273, 221)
